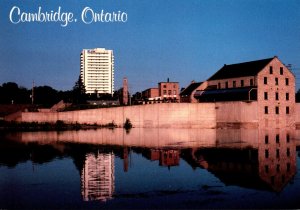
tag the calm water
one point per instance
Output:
(150, 168)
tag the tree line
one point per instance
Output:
(12, 93)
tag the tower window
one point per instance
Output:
(242, 83)
(276, 81)
(265, 80)
(277, 138)
(277, 96)
(234, 84)
(287, 96)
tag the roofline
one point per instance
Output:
(286, 67)
(168, 82)
(244, 63)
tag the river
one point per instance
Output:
(150, 168)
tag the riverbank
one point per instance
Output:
(59, 125)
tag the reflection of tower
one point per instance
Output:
(97, 177)
(125, 91)
(125, 157)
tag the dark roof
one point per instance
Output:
(231, 94)
(189, 89)
(251, 68)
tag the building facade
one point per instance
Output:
(97, 70)
(267, 81)
(187, 94)
(165, 92)
(150, 94)
(169, 91)
(98, 177)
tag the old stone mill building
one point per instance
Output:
(268, 84)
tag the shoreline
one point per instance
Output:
(59, 125)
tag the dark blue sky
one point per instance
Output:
(179, 39)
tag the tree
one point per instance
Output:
(11, 93)
(46, 96)
(79, 96)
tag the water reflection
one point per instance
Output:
(97, 177)
(261, 159)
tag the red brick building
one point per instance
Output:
(150, 93)
(169, 91)
(165, 92)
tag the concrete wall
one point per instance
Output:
(241, 114)
(164, 115)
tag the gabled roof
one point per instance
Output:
(251, 68)
(189, 89)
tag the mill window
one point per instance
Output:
(251, 82)
(266, 139)
(277, 110)
(266, 153)
(287, 110)
(277, 138)
(266, 95)
(266, 110)
(242, 83)
(271, 69)
(276, 81)
(286, 81)
(287, 138)
(281, 70)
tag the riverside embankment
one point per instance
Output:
(163, 115)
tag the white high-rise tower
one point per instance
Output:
(97, 70)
